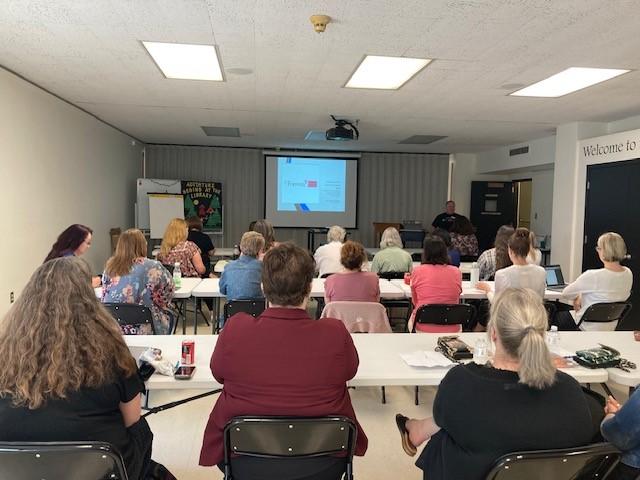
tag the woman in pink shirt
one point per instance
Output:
(435, 281)
(352, 284)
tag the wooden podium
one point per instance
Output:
(379, 227)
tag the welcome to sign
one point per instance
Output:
(610, 148)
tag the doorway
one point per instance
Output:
(611, 205)
(492, 205)
(523, 193)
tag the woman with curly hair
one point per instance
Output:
(67, 373)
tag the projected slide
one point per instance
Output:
(308, 185)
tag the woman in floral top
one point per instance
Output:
(463, 237)
(130, 277)
(176, 248)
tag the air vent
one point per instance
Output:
(421, 139)
(221, 131)
(518, 151)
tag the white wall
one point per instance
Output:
(541, 153)
(58, 166)
(541, 200)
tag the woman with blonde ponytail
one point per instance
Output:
(519, 402)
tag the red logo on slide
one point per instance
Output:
(312, 183)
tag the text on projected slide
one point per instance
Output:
(311, 185)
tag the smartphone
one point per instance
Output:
(184, 372)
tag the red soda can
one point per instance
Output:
(188, 352)
(407, 278)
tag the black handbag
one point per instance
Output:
(602, 357)
(453, 348)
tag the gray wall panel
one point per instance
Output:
(392, 186)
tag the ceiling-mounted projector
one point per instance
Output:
(343, 131)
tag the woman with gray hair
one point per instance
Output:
(327, 256)
(240, 278)
(520, 401)
(603, 285)
(391, 257)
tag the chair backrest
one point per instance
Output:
(169, 266)
(606, 312)
(392, 275)
(61, 461)
(133, 319)
(289, 437)
(445, 314)
(252, 307)
(359, 317)
(581, 463)
(551, 309)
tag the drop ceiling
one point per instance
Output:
(90, 53)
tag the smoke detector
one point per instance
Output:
(319, 22)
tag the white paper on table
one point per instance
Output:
(424, 358)
(561, 352)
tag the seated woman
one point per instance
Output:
(520, 401)
(265, 228)
(521, 274)
(463, 237)
(609, 284)
(497, 257)
(621, 427)
(435, 281)
(202, 240)
(240, 278)
(131, 277)
(67, 374)
(327, 256)
(391, 257)
(352, 284)
(282, 363)
(75, 240)
(175, 248)
(454, 255)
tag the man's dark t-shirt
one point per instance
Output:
(444, 220)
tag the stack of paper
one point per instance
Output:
(423, 358)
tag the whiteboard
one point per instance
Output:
(164, 207)
(145, 186)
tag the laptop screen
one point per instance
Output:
(554, 275)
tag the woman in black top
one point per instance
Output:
(521, 402)
(67, 373)
(203, 241)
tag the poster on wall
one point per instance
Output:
(204, 199)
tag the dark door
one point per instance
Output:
(612, 205)
(492, 205)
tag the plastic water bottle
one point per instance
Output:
(481, 351)
(177, 275)
(475, 274)
(553, 337)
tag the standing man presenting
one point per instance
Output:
(445, 219)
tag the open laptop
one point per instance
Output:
(555, 280)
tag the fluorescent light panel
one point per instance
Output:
(386, 73)
(186, 62)
(568, 81)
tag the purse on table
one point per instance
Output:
(602, 357)
(453, 348)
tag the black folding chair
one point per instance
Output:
(289, 437)
(60, 461)
(443, 314)
(132, 317)
(551, 309)
(392, 275)
(606, 312)
(251, 307)
(581, 463)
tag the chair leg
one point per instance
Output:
(384, 396)
(606, 388)
(417, 395)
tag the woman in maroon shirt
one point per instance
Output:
(282, 363)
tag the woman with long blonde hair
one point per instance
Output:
(518, 402)
(175, 248)
(67, 373)
(131, 277)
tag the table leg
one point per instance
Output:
(195, 315)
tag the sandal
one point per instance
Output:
(407, 446)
